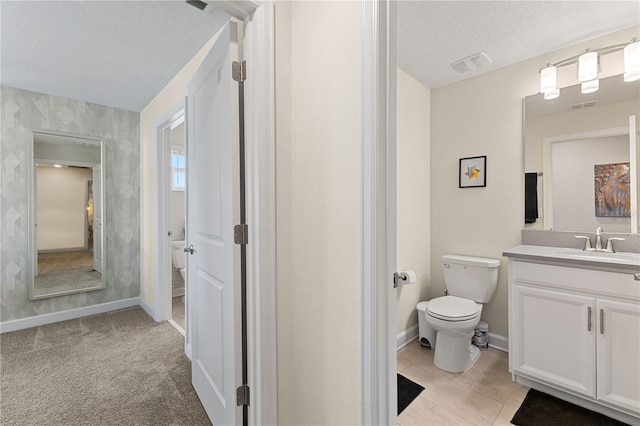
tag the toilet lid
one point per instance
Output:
(452, 308)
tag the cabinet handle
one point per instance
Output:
(601, 321)
(589, 318)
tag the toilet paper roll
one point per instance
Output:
(412, 277)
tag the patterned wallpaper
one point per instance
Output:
(23, 111)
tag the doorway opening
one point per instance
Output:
(172, 191)
(177, 215)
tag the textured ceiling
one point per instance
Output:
(122, 53)
(114, 53)
(433, 34)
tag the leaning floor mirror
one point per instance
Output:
(66, 243)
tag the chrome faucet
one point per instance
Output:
(598, 239)
(587, 242)
(598, 247)
(610, 241)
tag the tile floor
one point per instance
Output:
(177, 310)
(482, 395)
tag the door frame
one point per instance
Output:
(259, 52)
(547, 167)
(259, 102)
(378, 215)
(173, 116)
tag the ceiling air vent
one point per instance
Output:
(470, 63)
(197, 3)
(584, 105)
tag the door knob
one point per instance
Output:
(189, 249)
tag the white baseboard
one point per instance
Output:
(148, 309)
(406, 337)
(496, 341)
(499, 342)
(38, 320)
(177, 326)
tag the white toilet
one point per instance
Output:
(177, 257)
(448, 322)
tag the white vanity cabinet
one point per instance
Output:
(554, 339)
(618, 353)
(576, 332)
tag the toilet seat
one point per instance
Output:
(452, 308)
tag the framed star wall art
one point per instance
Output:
(473, 172)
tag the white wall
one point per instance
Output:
(61, 207)
(318, 146)
(414, 180)
(573, 182)
(483, 116)
(174, 92)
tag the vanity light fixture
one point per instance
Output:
(588, 64)
(548, 82)
(632, 61)
(590, 86)
(588, 72)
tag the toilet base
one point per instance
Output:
(455, 354)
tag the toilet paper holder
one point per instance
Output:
(404, 277)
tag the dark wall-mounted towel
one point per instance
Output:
(530, 197)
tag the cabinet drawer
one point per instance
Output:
(584, 280)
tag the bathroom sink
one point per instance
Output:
(599, 256)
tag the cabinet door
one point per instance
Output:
(555, 338)
(619, 354)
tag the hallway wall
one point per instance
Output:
(23, 111)
(318, 149)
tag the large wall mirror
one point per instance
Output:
(67, 212)
(581, 159)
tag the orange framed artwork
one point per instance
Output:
(612, 190)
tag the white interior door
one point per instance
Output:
(212, 200)
(97, 218)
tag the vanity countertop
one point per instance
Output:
(617, 262)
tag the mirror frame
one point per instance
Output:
(32, 244)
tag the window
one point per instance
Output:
(178, 171)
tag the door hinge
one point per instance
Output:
(239, 70)
(242, 395)
(241, 234)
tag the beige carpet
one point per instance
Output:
(65, 261)
(120, 368)
(65, 271)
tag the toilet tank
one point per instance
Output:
(474, 278)
(177, 254)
